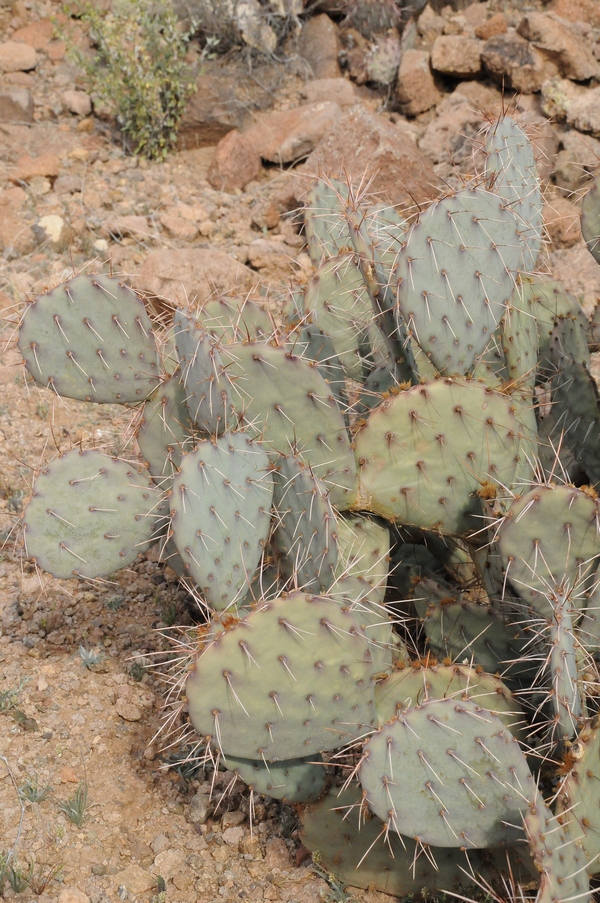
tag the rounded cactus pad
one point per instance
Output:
(285, 400)
(448, 773)
(324, 222)
(165, 431)
(578, 803)
(91, 339)
(455, 274)
(512, 169)
(292, 780)
(90, 515)
(220, 514)
(549, 546)
(425, 453)
(290, 679)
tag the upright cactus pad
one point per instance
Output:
(90, 515)
(91, 339)
(220, 514)
(590, 219)
(165, 430)
(455, 274)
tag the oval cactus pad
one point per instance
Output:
(448, 773)
(290, 679)
(220, 514)
(90, 515)
(91, 339)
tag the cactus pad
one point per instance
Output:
(292, 780)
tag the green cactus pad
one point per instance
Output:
(426, 452)
(291, 679)
(90, 339)
(285, 400)
(513, 174)
(455, 274)
(90, 515)
(578, 802)
(575, 413)
(464, 780)
(317, 347)
(324, 223)
(361, 851)
(413, 686)
(564, 677)
(520, 342)
(549, 546)
(207, 382)
(165, 431)
(292, 780)
(338, 303)
(235, 320)
(555, 846)
(305, 527)
(364, 551)
(590, 219)
(220, 514)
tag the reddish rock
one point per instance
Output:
(285, 135)
(319, 45)
(456, 55)
(584, 113)
(491, 27)
(342, 91)
(365, 146)
(191, 276)
(178, 227)
(417, 90)
(576, 161)
(46, 165)
(213, 110)
(121, 226)
(77, 102)
(234, 164)
(578, 11)
(558, 41)
(16, 105)
(515, 63)
(16, 235)
(17, 57)
(430, 26)
(450, 137)
(37, 35)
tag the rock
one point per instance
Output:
(491, 27)
(285, 135)
(319, 45)
(72, 895)
(178, 227)
(562, 220)
(53, 230)
(557, 96)
(128, 711)
(232, 819)
(579, 273)
(355, 55)
(16, 57)
(16, 105)
(584, 113)
(450, 137)
(340, 90)
(272, 258)
(121, 226)
(169, 863)
(135, 879)
(253, 27)
(429, 25)
(160, 843)
(277, 854)
(77, 102)
(416, 90)
(365, 145)
(37, 34)
(214, 109)
(46, 165)
(233, 836)
(515, 63)
(576, 161)
(68, 184)
(200, 808)
(586, 11)
(457, 56)
(191, 276)
(234, 164)
(558, 41)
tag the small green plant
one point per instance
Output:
(89, 657)
(137, 671)
(41, 410)
(168, 612)
(9, 698)
(75, 807)
(114, 603)
(138, 70)
(33, 791)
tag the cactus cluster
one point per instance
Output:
(385, 503)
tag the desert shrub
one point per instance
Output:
(138, 70)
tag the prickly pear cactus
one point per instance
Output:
(385, 502)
